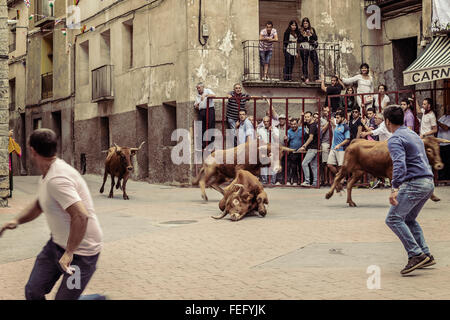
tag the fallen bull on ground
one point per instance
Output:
(242, 196)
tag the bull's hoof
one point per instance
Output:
(434, 198)
(352, 204)
(111, 195)
(125, 197)
(101, 190)
(328, 195)
(204, 197)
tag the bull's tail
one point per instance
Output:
(199, 176)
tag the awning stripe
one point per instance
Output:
(440, 56)
(436, 54)
(432, 64)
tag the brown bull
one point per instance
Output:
(373, 157)
(216, 169)
(118, 164)
(243, 195)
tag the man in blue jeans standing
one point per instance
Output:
(412, 186)
(311, 147)
(76, 237)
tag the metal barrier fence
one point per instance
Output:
(412, 93)
(328, 56)
(296, 106)
(291, 106)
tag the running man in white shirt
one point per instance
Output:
(76, 238)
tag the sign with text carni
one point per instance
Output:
(433, 64)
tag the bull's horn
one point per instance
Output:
(137, 149)
(440, 140)
(105, 151)
(115, 145)
(241, 187)
(221, 216)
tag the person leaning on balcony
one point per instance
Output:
(267, 36)
(290, 48)
(365, 84)
(308, 46)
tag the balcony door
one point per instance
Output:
(280, 13)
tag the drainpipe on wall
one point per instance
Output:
(4, 98)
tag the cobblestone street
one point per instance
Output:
(163, 244)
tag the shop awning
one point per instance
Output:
(433, 64)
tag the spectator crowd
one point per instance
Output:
(358, 114)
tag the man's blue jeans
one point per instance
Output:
(401, 218)
(47, 271)
(310, 158)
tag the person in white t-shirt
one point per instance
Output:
(268, 133)
(381, 131)
(76, 237)
(428, 124)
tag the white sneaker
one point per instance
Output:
(278, 183)
(295, 184)
(288, 184)
(305, 184)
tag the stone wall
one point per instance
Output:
(4, 96)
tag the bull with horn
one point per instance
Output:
(118, 164)
(243, 195)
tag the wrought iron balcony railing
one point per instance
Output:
(328, 55)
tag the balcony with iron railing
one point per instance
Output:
(103, 83)
(328, 56)
(47, 85)
(43, 13)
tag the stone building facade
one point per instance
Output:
(4, 97)
(129, 75)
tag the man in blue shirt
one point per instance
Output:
(245, 128)
(294, 141)
(341, 137)
(412, 186)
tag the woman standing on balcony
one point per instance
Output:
(365, 84)
(290, 49)
(308, 46)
